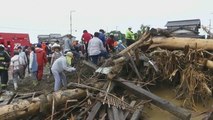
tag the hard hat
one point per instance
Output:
(1, 45)
(70, 54)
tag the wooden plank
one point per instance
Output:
(136, 115)
(121, 114)
(97, 106)
(94, 111)
(90, 64)
(115, 113)
(110, 114)
(162, 103)
(134, 67)
(132, 104)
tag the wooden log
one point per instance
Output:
(206, 63)
(136, 115)
(90, 64)
(25, 108)
(162, 103)
(135, 44)
(179, 43)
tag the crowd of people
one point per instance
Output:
(58, 58)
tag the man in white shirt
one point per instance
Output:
(16, 64)
(59, 66)
(96, 49)
(24, 56)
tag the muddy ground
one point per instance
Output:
(150, 112)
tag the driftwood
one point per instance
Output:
(119, 62)
(175, 43)
(206, 63)
(162, 103)
(24, 108)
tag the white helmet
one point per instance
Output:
(1, 45)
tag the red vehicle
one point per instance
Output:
(13, 40)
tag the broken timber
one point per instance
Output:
(175, 43)
(162, 103)
(25, 108)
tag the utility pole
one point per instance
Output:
(71, 21)
(210, 25)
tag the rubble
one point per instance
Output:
(119, 88)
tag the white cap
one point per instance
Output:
(55, 45)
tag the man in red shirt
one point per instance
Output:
(110, 43)
(85, 39)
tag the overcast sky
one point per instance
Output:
(53, 16)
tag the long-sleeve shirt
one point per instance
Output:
(129, 35)
(55, 56)
(61, 64)
(67, 44)
(23, 56)
(102, 37)
(95, 46)
(16, 61)
(33, 65)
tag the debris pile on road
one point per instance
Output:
(118, 89)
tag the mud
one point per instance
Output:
(154, 113)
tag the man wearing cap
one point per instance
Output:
(59, 66)
(4, 65)
(57, 53)
(129, 36)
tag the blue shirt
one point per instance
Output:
(102, 37)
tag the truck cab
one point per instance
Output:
(13, 40)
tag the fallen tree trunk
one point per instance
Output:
(162, 103)
(179, 43)
(26, 108)
(206, 63)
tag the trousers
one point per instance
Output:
(60, 78)
(40, 72)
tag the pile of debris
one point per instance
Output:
(117, 90)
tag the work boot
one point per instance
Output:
(15, 86)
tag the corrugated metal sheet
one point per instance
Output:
(195, 22)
